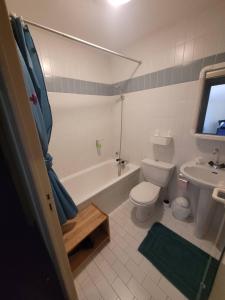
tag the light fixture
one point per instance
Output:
(117, 3)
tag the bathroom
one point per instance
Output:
(116, 118)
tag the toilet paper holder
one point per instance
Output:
(182, 183)
(182, 178)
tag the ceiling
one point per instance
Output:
(99, 22)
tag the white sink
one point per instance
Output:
(203, 175)
(205, 179)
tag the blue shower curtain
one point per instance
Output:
(40, 106)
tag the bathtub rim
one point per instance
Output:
(80, 201)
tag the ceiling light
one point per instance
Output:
(117, 3)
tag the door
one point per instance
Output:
(23, 150)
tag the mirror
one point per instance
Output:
(211, 118)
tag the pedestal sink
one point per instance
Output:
(205, 178)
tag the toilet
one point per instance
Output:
(145, 194)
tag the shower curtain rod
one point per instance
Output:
(76, 39)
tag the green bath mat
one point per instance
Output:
(181, 262)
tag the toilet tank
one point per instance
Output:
(157, 172)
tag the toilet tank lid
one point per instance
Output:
(158, 164)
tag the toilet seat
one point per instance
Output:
(144, 194)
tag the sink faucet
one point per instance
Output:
(216, 152)
(216, 164)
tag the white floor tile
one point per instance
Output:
(106, 290)
(148, 268)
(120, 254)
(108, 255)
(105, 267)
(121, 271)
(122, 290)
(136, 256)
(119, 229)
(139, 292)
(153, 289)
(132, 242)
(120, 241)
(80, 292)
(103, 286)
(170, 290)
(135, 271)
(112, 244)
(90, 290)
(119, 218)
(81, 277)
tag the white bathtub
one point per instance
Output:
(101, 185)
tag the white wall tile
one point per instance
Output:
(191, 38)
(70, 59)
(78, 120)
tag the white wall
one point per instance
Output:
(62, 57)
(171, 107)
(191, 39)
(78, 120)
(215, 109)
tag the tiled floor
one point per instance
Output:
(119, 271)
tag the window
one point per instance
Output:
(212, 112)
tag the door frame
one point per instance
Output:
(21, 134)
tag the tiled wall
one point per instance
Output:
(75, 76)
(164, 77)
(162, 95)
(59, 84)
(166, 100)
(168, 76)
(78, 120)
(62, 58)
(184, 42)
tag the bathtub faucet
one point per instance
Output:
(122, 162)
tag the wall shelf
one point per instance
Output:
(92, 226)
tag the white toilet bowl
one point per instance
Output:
(144, 196)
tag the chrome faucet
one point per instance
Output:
(122, 162)
(216, 152)
(216, 164)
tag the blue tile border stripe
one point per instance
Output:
(75, 86)
(164, 77)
